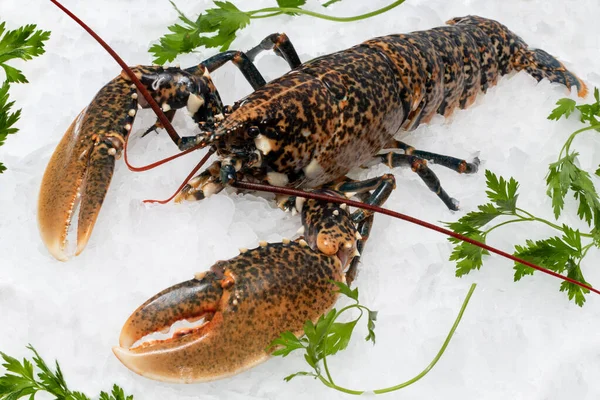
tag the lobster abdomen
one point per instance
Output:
(334, 113)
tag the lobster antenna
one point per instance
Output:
(187, 178)
(159, 162)
(155, 107)
(323, 197)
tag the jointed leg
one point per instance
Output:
(281, 45)
(241, 61)
(419, 166)
(455, 164)
(373, 191)
(203, 185)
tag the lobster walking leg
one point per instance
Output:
(419, 165)
(371, 191)
(455, 164)
(281, 45)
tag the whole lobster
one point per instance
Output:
(306, 129)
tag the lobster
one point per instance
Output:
(306, 129)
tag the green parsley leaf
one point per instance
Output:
(21, 381)
(225, 20)
(589, 112)
(564, 175)
(502, 192)
(291, 3)
(573, 291)
(338, 337)
(292, 376)
(468, 256)
(553, 253)
(565, 107)
(286, 343)
(330, 2)
(371, 326)
(346, 291)
(23, 43)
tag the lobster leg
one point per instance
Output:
(419, 165)
(281, 45)
(373, 191)
(455, 164)
(203, 185)
(241, 61)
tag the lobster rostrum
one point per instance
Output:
(305, 129)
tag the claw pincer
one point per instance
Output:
(245, 303)
(80, 170)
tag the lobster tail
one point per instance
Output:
(513, 54)
(540, 65)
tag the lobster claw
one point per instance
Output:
(244, 303)
(79, 173)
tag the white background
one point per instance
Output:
(516, 341)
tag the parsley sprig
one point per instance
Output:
(562, 254)
(23, 43)
(565, 175)
(218, 27)
(327, 337)
(22, 381)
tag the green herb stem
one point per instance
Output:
(273, 14)
(252, 14)
(567, 146)
(329, 381)
(505, 223)
(439, 354)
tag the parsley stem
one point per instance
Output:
(510, 221)
(274, 14)
(544, 221)
(439, 354)
(567, 146)
(323, 16)
(329, 383)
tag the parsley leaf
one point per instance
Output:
(573, 291)
(326, 337)
(7, 118)
(291, 3)
(21, 381)
(502, 192)
(330, 2)
(468, 256)
(565, 107)
(559, 254)
(565, 175)
(225, 20)
(23, 43)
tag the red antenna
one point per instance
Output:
(381, 210)
(299, 193)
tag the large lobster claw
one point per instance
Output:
(79, 173)
(245, 302)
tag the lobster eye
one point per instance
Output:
(253, 131)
